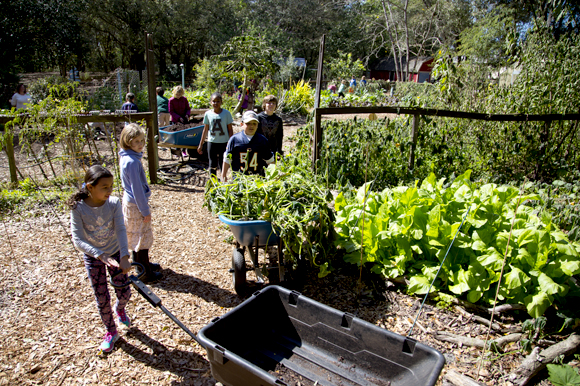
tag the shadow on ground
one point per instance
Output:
(192, 367)
(209, 292)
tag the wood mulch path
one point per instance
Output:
(50, 329)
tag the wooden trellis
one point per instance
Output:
(152, 155)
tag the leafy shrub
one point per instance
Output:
(141, 100)
(379, 85)
(407, 232)
(104, 98)
(513, 150)
(206, 75)
(343, 66)
(55, 86)
(198, 99)
(299, 99)
(229, 102)
(560, 199)
(361, 149)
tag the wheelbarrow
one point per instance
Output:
(277, 328)
(183, 139)
(252, 235)
(187, 139)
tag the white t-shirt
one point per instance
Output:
(19, 101)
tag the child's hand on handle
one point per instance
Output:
(147, 218)
(125, 264)
(109, 261)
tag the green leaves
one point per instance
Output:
(408, 229)
(292, 201)
(564, 375)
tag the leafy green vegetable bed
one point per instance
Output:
(407, 231)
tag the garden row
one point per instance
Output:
(405, 231)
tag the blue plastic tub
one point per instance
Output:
(246, 231)
(187, 137)
(327, 346)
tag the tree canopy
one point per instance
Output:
(105, 34)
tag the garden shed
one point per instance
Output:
(419, 69)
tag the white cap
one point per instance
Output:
(250, 116)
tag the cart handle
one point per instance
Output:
(151, 297)
(140, 273)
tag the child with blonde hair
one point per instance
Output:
(179, 109)
(98, 230)
(136, 208)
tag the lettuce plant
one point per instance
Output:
(408, 229)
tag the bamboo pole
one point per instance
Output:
(317, 117)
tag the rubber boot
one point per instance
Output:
(154, 266)
(135, 258)
(150, 275)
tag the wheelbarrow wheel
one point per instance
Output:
(239, 271)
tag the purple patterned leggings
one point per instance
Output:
(98, 278)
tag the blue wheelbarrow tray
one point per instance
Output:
(245, 232)
(188, 137)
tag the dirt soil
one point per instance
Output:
(50, 329)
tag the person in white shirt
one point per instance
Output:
(20, 99)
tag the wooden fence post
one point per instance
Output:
(9, 135)
(317, 117)
(152, 124)
(414, 132)
(544, 137)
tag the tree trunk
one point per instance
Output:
(241, 101)
(406, 38)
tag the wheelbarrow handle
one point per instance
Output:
(140, 274)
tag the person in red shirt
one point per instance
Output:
(179, 109)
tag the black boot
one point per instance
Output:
(135, 258)
(150, 275)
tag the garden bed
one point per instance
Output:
(50, 328)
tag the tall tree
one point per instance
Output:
(245, 57)
(39, 34)
(124, 23)
(192, 29)
(410, 28)
(297, 25)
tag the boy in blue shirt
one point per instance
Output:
(247, 151)
(130, 102)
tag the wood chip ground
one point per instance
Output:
(50, 328)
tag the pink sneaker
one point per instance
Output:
(123, 318)
(109, 342)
